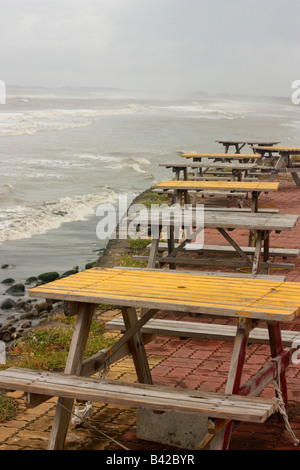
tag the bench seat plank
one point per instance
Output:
(199, 330)
(215, 405)
(280, 252)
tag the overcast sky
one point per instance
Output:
(236, 46)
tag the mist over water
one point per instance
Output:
(64, 151)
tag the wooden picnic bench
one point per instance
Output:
(181, 189)
(237, 170)
(239, 144)
(257, 257)
(250, 301)
(283, 160)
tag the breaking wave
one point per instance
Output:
(21, 222)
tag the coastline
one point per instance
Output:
(26, 314)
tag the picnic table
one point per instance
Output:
(181, 189)
(185, 225)
(239, 144)
(237, 170)
(248, 301)
(283, 162)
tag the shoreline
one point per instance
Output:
(26, 313)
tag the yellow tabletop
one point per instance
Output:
(290, 150)
(176, 291)
(219, 185)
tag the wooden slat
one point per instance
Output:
(280, 252)
(290, 150)
(215, 405)
(230, 156)
(189, 329)
(168, 290)
(228, 165)
(214, 219)
(229, 185)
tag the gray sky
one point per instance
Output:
(236, 46)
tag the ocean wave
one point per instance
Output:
(31, 122)
(130, 163)
(21, 222)
(201, 112)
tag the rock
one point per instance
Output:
(25, 316)
(7, 304)
(48, 277)
(31, 280)
(90, 265)
(71, 271)
(8, 280)
(20, 304)
(11, 317)
(6, 337)
(26, 324)
(44, 306)
(16, 289)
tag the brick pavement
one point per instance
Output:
(184, 363)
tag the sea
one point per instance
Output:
(65, 152)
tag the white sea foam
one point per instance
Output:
(21, 222)
(30, 122)
(130, 164)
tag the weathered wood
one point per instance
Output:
(137, 347)
(190, 329)
(267, 374)
(226, 220)
(276, 348)
(249, 250)
(214, 262)
(139, 395)
(73, 365)
(175, 291)
(245, 325)
(217, 274)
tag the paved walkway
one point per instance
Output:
(188, 363)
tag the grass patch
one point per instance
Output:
(128, 262)
(139, 243)
(8, 408)
(47, 347)
(153, 198)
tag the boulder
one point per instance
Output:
(16, 289)
(47, 306)
(8, 280)
(7, 304)
(6, 337)
(90, 265)
(71, 271)
(31, 280)
(48, 277)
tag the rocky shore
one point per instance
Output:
(19, 313)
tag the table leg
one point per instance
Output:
(294, 174)
(154, 246)
(266, 256)
(73, 365)
(282, 161)
(137, 347)
(221, 441)
(257, 253)
(171, 245)
(277, 348)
